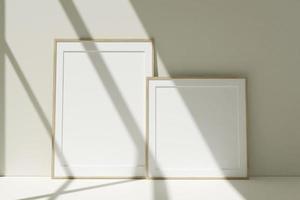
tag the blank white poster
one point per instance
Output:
(197, 128)
(100, 108)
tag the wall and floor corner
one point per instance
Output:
(253, 39)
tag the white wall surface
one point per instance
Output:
(256, 39)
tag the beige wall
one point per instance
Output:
(256, 39)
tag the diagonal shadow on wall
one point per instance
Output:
(110, 85)
(104, 75)
(107, 80)
(8, 52)
(159, 188)
(169, 35)
(32, 97)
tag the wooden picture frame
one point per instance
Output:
(99, 107)
(197, 128)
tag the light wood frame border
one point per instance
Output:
(151, 40)
(147, 127)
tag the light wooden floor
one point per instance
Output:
(29, 188)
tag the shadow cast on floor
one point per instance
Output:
(62, 189)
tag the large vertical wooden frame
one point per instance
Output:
(99, 108)
(197, 128)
